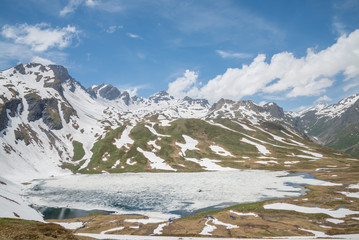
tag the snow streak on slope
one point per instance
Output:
(220, 151)
(262, 149)
(156, 162)
(125, 138)
(189, 145)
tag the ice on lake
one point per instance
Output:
(166, 194)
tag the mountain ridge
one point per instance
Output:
(43, 110)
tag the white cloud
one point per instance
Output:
(225, 54)
(131, 35)
(13, 52)
(91, 3)
(41, 60)
(324, 98)
(338, 27)
(351, 85)
(40, 37)
(70, 7)
(182, 85)
(262, 103)
(112, 29)
(300, 108)
(285, 75)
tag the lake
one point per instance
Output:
(164, 195)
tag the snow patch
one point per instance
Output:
(338, 213)
(210, 164)
(220, 151)
(125, 139)
(262, 149)
(156, 162)
(189, 145)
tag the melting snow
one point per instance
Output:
(243, 214)
(161, 194)
(338, 213)
(116, 164)
(125, 138)
(220, 151)
(189, 145)
(318, 155)
(351, 194)
(355, 186)
(335, 221)
(262, 149)
(154, 145)
(208, 229)
(144, 220)
(244, 126)
(153, 131)
(129, 162)
(159, 229)
(210, 164)
(71, 225)
(266, 162)
(156, 162)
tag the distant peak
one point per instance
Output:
(161, 96)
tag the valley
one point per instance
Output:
(265, 176)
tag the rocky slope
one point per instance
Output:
(335, 126)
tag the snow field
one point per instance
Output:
(12, 205)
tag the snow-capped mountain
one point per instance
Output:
(245, 109)
(45, 112)
(335, 125)
(51, 125)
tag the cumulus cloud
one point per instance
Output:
(284, 74)
(226, 54)
(40, 37)
(182, 85)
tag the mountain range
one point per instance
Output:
(50, 125)
(48, 119)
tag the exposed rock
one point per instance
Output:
(14, 106)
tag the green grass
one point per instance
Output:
(79, 151)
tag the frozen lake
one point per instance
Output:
(165, 194)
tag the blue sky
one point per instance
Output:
(255, 50)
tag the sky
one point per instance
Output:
(296, 53)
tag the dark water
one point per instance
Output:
(66, 213)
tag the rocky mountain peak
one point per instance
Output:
(274, 110)
(202, 102)
(161, 96)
